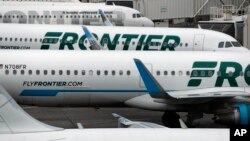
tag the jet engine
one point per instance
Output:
(238, 115)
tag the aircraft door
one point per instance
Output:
(150, 68)
(198, 42)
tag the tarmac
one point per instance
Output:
(102, 117)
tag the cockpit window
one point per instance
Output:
(134, 15)
(137, 15)
(236, 44)
(221, 44)
(228, 44)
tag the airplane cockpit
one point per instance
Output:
(229, 44)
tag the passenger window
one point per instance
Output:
(128, 72)
(203, 73)
(241, 73)
(219, 73)
(7, 72)
(248, 73)
(230, 73)
(221, 44)
(158, 73)
(53, 72)
(1, 38)
(14, 72)
(68, 72)
(98, 72)
(60, 72)
(75, 72)
(30, 72)
(113, 72)
(15, 39)
(22, 72)
(210, 73)
(134, 15)
(45, 72)
(90, 72)
(173, 73)
(165, 72)
(37, 72)
(188, 73)
(180, 73)
(83, 72)
(121, 72)
(228, 44)
(195, 73)
(105, 72)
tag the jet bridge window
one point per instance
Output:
(228, 44)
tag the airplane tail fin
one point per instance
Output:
(105, 20)
(13, 119)
(94, 45)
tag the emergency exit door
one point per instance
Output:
(198, 42)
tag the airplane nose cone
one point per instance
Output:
(149, 23)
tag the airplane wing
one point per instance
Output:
(13, 119)
(156, 90)
(105, 20)
(94, 45)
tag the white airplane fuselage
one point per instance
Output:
(106, 78)
(69, 13)
(72, 37)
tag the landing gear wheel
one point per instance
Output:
(171, 119)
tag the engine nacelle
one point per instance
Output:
(238, 115)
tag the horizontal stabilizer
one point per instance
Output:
(94, 45)
(126, 123)
(13, 119)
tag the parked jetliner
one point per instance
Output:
(24, 1)
(18, 125)
(73, 37)
(200, 82)
(70, 13)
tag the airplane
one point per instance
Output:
(70, 13)
(201, 82)
(24, 1)
(73, 37)
(16, 124)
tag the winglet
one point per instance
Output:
(94, 45)
(154, 88)
(105, 20)
(13, 119)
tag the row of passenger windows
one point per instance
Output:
(55, 16)
(229, 44)
(68, 72)
(196, 73)
(86, 41)
(113, 72)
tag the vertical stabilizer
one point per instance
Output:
(13, 119)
